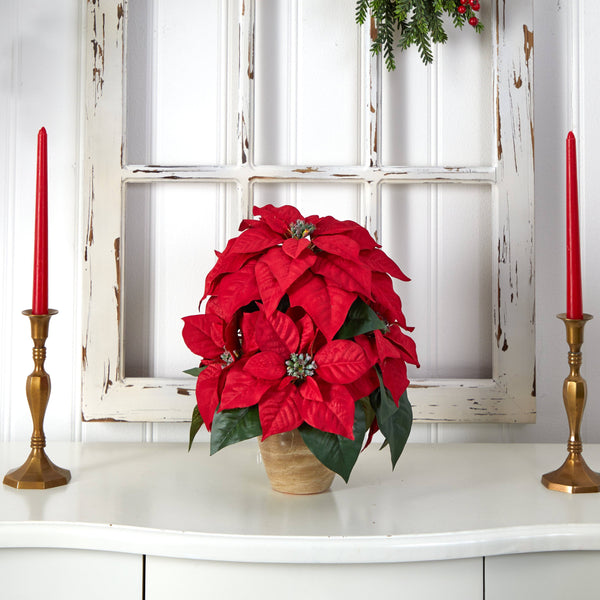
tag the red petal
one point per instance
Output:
(341, 361)
(247, 224)
(364, 385)
(269, 289)
(387, 302)
(287, 270)
(207, 392)
(294, 247)
(278, 411)
(342, 245)
(329, 226)
(231, 335)
(344, 273)
(385, 348)
(394, 377)
(306, 329)
(277, 333)
(328, 305)
(253, 224)
(405, 343)
(203, 335)
(278, 218)
(237, 289)
(335, 414)
(255, 240)
(248, 327)
(378, 260)
(372, 431)
(367, 343)
(227, 262)
(213, 307)
(266, 365)
(241, 390)
(309, 390)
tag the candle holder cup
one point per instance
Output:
(574, 476)
(38, 471)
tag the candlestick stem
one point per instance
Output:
(38, 471)
(574, 476)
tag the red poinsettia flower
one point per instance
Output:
(218, 343)
(303, 329)
(297, 376)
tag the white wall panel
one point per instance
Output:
(9, 61)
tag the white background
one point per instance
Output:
(40, 84)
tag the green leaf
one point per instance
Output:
(195, 425)
(361, 318)
(232, 426)
(369, 412)
(195, 371)
(335, 451)
(394, 422)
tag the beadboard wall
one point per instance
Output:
(41, 45)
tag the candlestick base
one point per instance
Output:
(573, 477)
(38, 472)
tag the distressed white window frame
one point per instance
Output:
(508, 397)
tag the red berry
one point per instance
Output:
(471, 2)
(473, 21)
(464, 1)
(461, 10)
(475, 6)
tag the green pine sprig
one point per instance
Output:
(420, 23)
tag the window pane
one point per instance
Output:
(171, 232)
(441, 114)
(441, 237)
(307, 83)
(176, 87)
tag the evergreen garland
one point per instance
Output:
(420, 23)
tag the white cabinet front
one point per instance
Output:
(168, 578)
(28, 573)
(547, 575)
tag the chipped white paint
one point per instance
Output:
(508, 396)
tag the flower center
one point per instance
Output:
(300, 366)
(300, 229)
(227, 358)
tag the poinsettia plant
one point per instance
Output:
(303, 329)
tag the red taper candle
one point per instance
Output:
(40, 251)
(574, 302)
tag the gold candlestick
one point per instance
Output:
(38, 471)
(574, 476)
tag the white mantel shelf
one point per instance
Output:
(442, 502)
